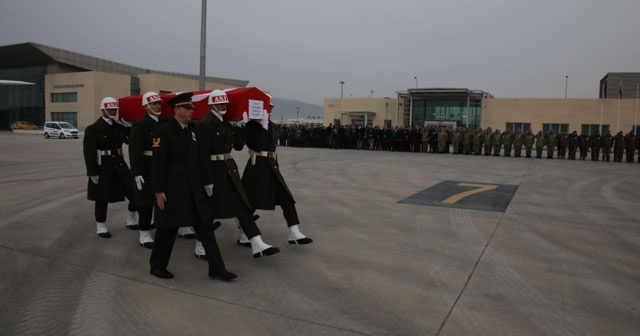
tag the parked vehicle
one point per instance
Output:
(60, 129)
(23, 125)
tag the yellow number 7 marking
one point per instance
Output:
(479, 188)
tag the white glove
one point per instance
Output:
(139, 182)
(252, 154)
(265, 120)
(244, 121)
(94, 179)
(209, 189)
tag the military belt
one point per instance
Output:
(104, 152)
(267, 154)
(220, 157)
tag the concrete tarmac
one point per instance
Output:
(404, 244)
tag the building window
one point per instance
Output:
(557, 128)
(593, 128)
(135, 86)
(516, 126)
(64, 97)
(70, 117)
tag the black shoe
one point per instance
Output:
(301, 241)
(147, 245)
(200, 256)
(133, 227)
(256, 217)
(270, 251)
(104, 235)
(246, 244)
(162, 273)
(223, 274)
(188, 236)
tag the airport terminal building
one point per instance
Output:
(616, 108)
(68, 86)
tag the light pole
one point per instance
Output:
(416, 78)
(386, 111)
(566, 84)
(341, 87)
(203, 41)
(298, 115)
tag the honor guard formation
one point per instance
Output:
(438, 139)
(183, 178)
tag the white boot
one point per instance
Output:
(102, 230)
(146, 239)
(132, 220)
(260, 248)
(199, 250)
(243, 240)
(296, 237)
(186, 232)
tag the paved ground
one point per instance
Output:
(563, 258)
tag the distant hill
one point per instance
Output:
(287, 109)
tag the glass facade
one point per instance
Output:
(22, 102)
(70, 117)
(64, 97)
(593, 128)
(557, 128)
(515, 126)
(424, 110)
(135, 86)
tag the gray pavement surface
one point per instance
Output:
(563, 258)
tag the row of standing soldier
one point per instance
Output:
(439, 139)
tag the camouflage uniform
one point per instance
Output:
(496, 141)
(539, 144)
(486, 140)
(528, 140)
(551, 144)
(606, 141)
(517, 143)
(507, 141)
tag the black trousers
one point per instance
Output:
(145, 215)
(247, 223)
(100, 210)
(166, 237)
(288, 206)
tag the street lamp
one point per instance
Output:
(416, 78)
(566, 84)
(386, 110)
(298, 115)
(341, 87)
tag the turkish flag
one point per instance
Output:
(249, 99)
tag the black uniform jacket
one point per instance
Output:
(141, 138)
(220, 137)
(112, 170)
(175, 172)
(260, 180)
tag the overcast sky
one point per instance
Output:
(302, 49)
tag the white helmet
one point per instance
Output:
(150, 97)
(109, 103)
(218, 97)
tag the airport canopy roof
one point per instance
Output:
(33, 54)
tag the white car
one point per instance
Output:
(60, 129)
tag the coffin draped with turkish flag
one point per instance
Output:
(249, 99)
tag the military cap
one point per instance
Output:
(182, 100)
